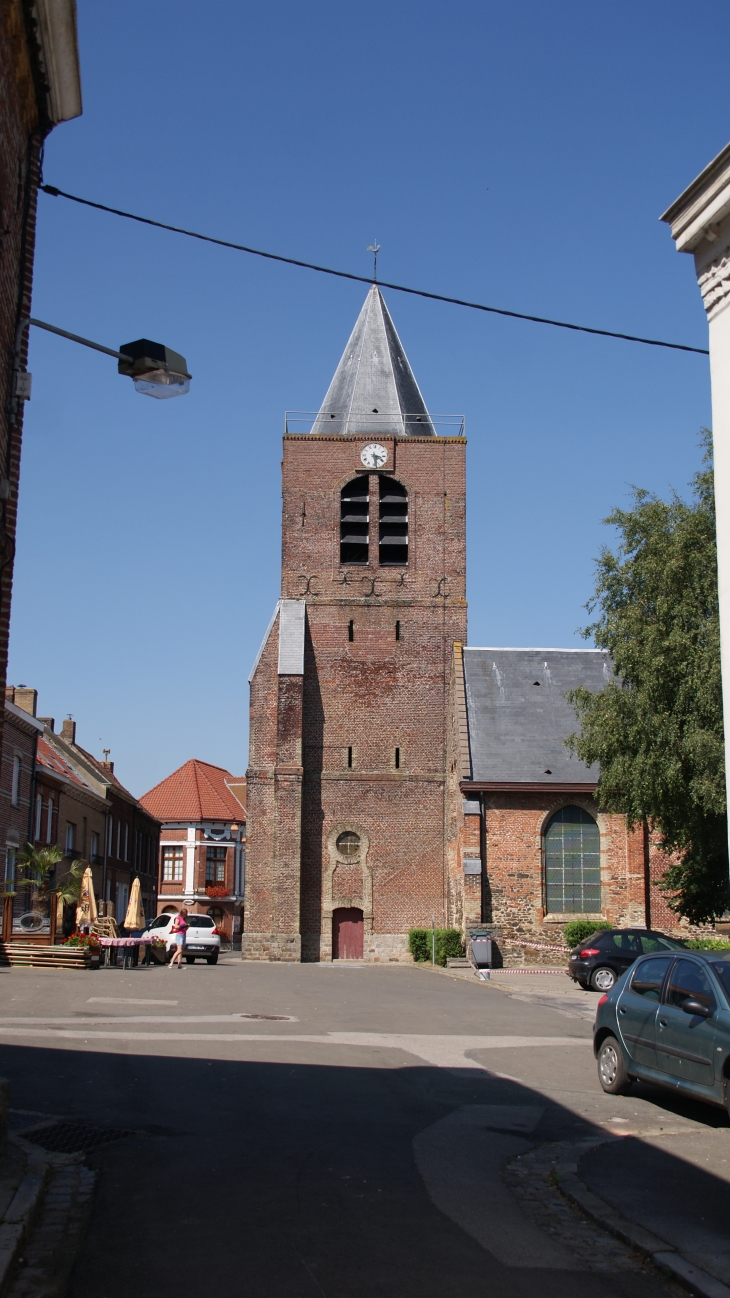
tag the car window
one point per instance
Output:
(200, 921)
(627, 943)
(722, 971)
(649, 944)
(689, 981)
(648, 977)
(160, 922)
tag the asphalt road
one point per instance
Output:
(353, 1146)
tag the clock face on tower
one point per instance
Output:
(373, 455)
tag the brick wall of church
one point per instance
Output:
(371, 694)
(515, 897)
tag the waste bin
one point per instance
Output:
(480, 949)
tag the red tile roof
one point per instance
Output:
(195, 791)
(53, 761)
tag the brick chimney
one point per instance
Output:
(50, 722)
(22, 697)
(68, 731)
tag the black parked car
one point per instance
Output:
(601, 958)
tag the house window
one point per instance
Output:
(49, 823)
(38, 815)
(15, 790)
(215, 865)
(354, 521)
(119, 840)
(172, 864)
(393, 524)
(110, 836)
(94, 848)
(573, 863)
(10, 853)
(70, 838)
(126, 842)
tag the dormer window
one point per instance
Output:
(393, 523)
(354, 521)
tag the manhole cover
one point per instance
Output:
(72, 1137)
(280, 1018)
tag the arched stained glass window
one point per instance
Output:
(573, 863)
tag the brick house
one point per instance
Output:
(20, 739)
(396, 776)
(202, 859)
(39, 87)
(67, 796)
(130, 843)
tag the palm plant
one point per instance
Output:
(34, 866)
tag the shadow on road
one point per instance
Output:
(293, 1179)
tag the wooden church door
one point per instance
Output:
(347, 934)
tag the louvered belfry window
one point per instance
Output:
(573, 863)
(354, 521)
(393, 523)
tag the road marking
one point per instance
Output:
(125, 1000)
(97, 1020)
(440, 1051)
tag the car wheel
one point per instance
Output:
(190, 959)
(212, 959)
(603, 979)
(611, 1068)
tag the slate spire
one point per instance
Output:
(374, 390)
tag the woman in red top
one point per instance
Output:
(178, 929)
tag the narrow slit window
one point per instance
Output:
(354, 521)
(349, 758)
(393, 523)
(397, 630)
(397, 759)
(351, 630)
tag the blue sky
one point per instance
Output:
(517, 154)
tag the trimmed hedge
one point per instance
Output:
(447, 944)
(708, 943)
(579, 929)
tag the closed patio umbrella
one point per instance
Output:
(134, 917)
(86, 912)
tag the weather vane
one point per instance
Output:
(374, 248)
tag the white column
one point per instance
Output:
(190, 866)
(700, 224)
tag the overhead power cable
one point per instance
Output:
(365, 279)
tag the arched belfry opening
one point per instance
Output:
(354, 521)
(393, 541)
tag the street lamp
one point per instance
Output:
(155, 370)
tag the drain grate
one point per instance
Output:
(72, 1137)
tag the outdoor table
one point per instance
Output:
(130, 947)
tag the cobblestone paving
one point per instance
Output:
(531, 1178)
(56, 1238)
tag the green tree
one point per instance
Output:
(657, 729)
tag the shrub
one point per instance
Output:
(447, 943)
(708, 943)
(579, 929)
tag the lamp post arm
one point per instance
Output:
(85, 342)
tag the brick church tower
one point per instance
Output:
(347, 779)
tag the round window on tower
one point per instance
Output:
(348, 844)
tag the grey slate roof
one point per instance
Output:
(374, 389)
(518, 715)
